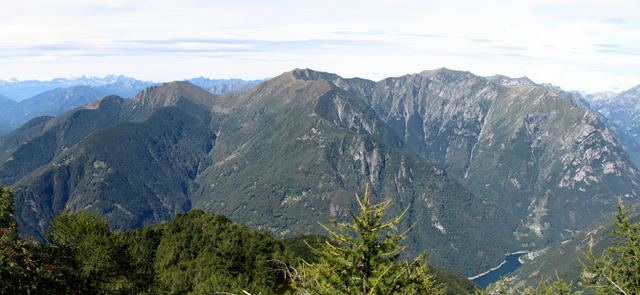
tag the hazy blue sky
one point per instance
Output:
(581, 45)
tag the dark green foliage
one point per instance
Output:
(6, 207)
(203, 253)
(194, 253)
(25, 266)
(452, 282)
(94, 257)
(617, 270)
(302, 246)
(142, 245)
(362, 258)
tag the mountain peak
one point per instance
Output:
(442, 71)
(170, 93)
(311, 75)
(634, 91)
(96, 103)
(508, 81)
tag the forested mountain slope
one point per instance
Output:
(484, 168)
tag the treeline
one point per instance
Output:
(194, 253)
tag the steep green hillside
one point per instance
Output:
(321, 144)
(40, 140)
(135, 174)
(279, 158)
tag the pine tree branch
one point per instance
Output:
(614, 284)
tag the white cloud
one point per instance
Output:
(586, 45)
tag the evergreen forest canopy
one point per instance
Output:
(194, 253)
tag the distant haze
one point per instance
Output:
(579, 45)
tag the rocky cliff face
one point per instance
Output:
(537, 151)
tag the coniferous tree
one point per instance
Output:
(617, 270)
(25, 266)
(363, 258)
(93, 257)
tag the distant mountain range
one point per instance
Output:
(222, 86)
(60, 95)
(487, 165)
(48, 103)
(623, 109)
(122, 85)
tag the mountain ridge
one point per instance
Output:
(218, 163)
(65, 94)
(476, 161)
(21, 90)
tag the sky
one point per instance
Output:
(589, 46)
